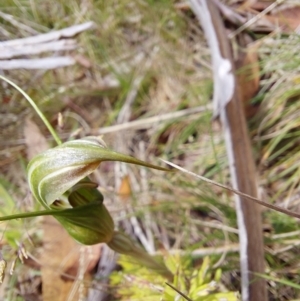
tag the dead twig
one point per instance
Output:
(228, 103)
(146, 123)
(15, 51)
(55, 41)
(204, 251)
(44, 63)
(254, 19)
(68, 32)
(244, 195)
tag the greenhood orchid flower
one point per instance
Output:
(58, 180)
(55, 171)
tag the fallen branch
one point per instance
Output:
(44, 63)
(146, 123)
(55, 41)
(68, 32)
(11, 52)
(228, 106)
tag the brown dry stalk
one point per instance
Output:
(244, 195)
(228, 103)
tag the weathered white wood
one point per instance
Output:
(228, 105)
(43, 63)
(223, 77)
(68, 32)
(55, 41)
(223, 92)
(25, 50)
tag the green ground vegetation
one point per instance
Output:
(153, 56)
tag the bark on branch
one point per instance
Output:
(228, 105)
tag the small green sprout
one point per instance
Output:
(191, 282)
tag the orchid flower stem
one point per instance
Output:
(36, 108)
(26, 215)
(63, 212)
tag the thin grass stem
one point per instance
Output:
(36, 108)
